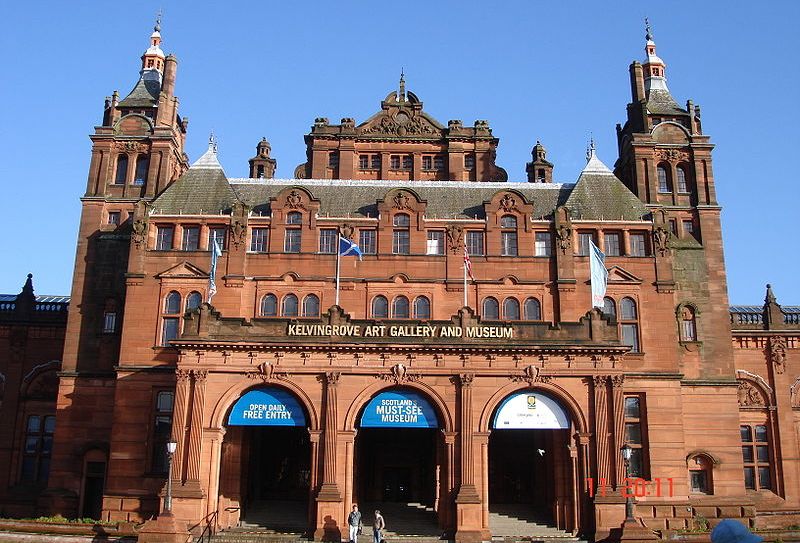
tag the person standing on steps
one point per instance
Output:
(377, 527)
(354, 523)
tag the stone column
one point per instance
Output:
(468, 501)
(330, 521)
(601, 430)
(618, 409)
(196, 428)
(179, 423)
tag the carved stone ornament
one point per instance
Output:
(749, 395)
(531, 375)
(332, 378)
(266, 372)
(402, 124)
(347, 230)
(139, 235)
(794, 394)
(399, 374)
(401, 200)
(508, 202)
(182, 375)
(661, 240)
(465, 379)
(777, 353)
(455, 234)
(564, 235)
(599, 380)
(200, 376)
(130, 146)
(294, 200)
(671, 155)
(617, 381)
(238, 231)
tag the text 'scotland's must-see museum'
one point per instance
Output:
(464, 403)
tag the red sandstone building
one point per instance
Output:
(468, 420)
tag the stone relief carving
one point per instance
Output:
(661, 240)
(671, 155)
(455, 235)
(131, 146)
(402, 124)
(508, 202)
(401, 201)
(399, 374)
(266, 372)
(294, 200)
(238, 231)
(564, 235)
(531, 375)
(347, 230)
(777, 353)
(139, 235)
(749, 395)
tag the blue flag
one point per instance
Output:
(599, 274)
(216, 252)
(348, 248)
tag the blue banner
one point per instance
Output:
(399, 409)
(269, 406)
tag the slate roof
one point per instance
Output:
(43, 299)
(204, 189)
(661, 102)
(144, 94)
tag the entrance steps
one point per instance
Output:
(510, 523)
(413, 521)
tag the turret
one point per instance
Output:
(539, 170)
(262, 165)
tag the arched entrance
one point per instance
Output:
(530, 477)
(399, 462)
(267, 460)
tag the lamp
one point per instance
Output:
(171, 447)
(627, 452)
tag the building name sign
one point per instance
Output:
(397, 331)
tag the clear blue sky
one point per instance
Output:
(554, 71)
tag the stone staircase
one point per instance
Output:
(511, 523)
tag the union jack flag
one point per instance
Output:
(468, 263)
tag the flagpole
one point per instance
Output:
(465, 283)
(338, 259)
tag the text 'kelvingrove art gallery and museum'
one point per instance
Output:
(400, 327)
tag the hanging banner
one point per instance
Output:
(269, 406)
(530, 410)
(399, 409)
(599, 275)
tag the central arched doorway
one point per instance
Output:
(399, 462)
(530, 476)
(267, 433)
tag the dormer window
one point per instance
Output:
(508, 236)
(664, 184)
(401, 244)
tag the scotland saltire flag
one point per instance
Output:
(598, 273)
(348, 248)
(216, 252)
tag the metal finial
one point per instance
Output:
(402, 84)
(649, 35)
(157, 28)
(212, 142)
(590, 149)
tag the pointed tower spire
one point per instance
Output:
(654, 68)
(773, 314)
(594, 164)
(402, 95)
(153, 58)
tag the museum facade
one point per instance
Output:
(457, 369)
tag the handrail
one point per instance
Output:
(210, 528)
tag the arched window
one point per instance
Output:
(269, 306)
(401, 236)
(701, 474)
(380, 307)
(400, 308)
(511, 309)
(609, 307)
(193, 300)
(289, 307)
(663, 179)
(629, 322)
(172, 303)
(688, 324)
(533, 310)
(294, 217)
(170, 321)
(491, 308)
(680, 176)
(508, 235)
(311, 306)
(122, 170)
(142, 165)
(422, 308)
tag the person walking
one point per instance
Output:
(377, 527)
(354, 523)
